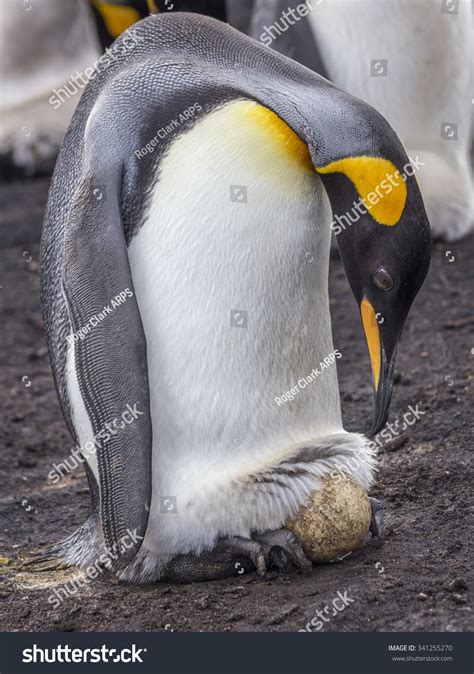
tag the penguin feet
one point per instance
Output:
(235, 556)
(231, 556)
(377, 526)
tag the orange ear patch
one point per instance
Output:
(378, 182)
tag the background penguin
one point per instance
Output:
(47, 47)
(115, 16)
(203, 143)
(43, 42)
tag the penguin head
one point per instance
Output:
(384, 239)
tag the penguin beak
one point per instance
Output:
(382, 366)
(383, 393)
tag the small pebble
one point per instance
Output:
(202, 603)
(25, 462)
(235, 617)
(459, 599)
(457, 584)
(280, 617)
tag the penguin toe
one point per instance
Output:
(284, 551)
(247, 547)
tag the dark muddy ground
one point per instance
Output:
(418, 580)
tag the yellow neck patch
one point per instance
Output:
(378, 182)
(283, 136)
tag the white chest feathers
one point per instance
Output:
(230, 273)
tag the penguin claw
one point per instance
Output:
(284, 551)
(249, 548)
(260, 564)
(377, 524)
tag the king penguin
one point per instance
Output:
(184, 275)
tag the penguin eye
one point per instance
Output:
(382, 279)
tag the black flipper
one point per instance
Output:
(110, 360)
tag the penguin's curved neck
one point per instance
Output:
(356, 185)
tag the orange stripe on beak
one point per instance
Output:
(372, 336)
